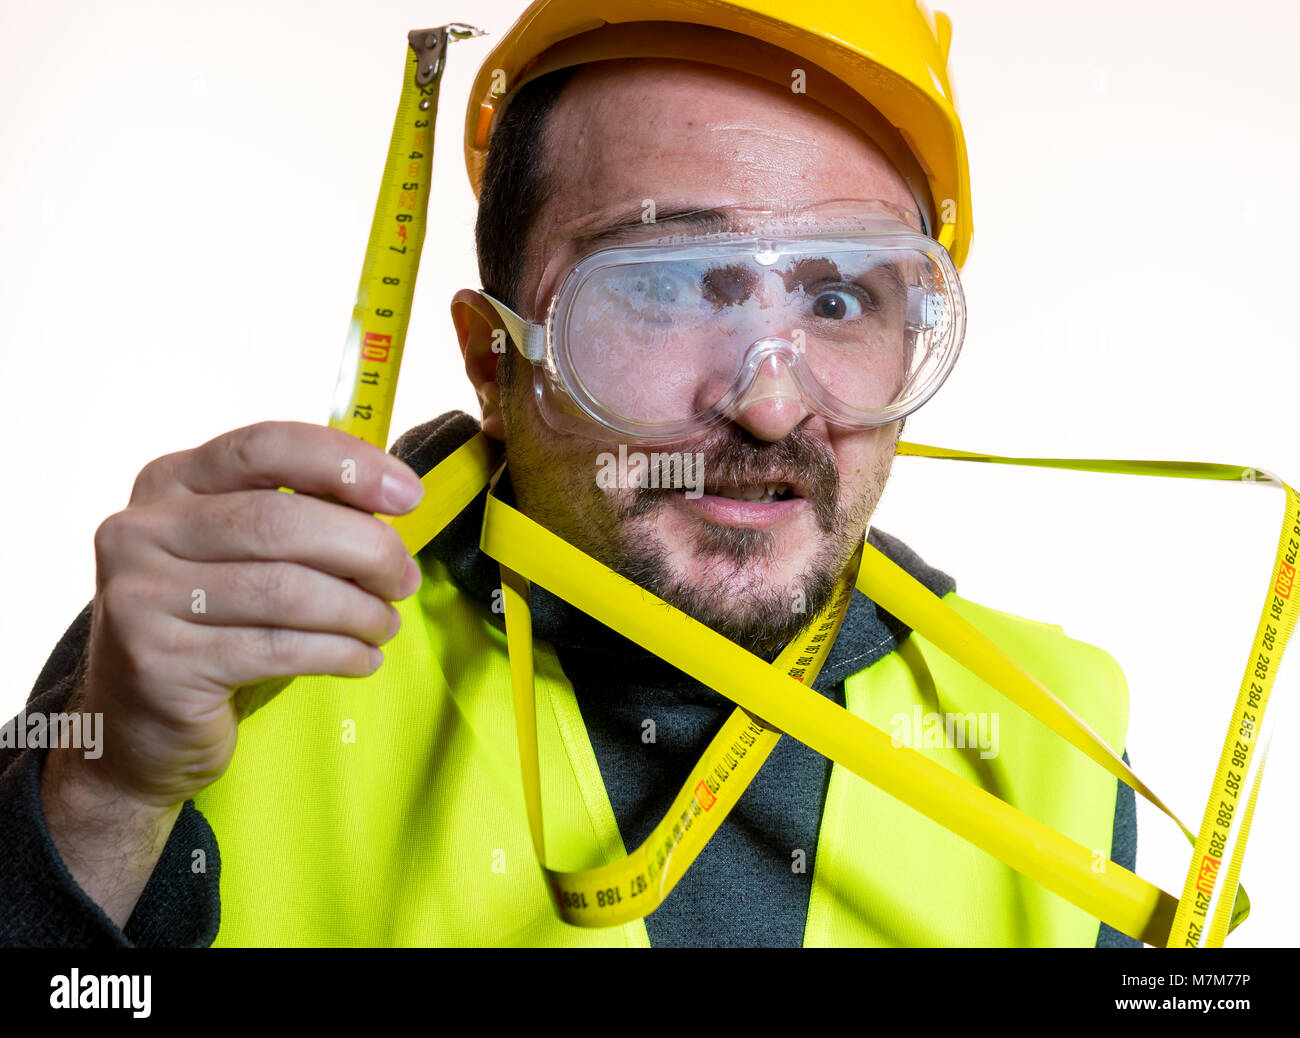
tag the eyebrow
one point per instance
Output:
(799, 272)
(628, 224)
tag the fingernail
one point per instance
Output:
(400, 493)
(412, 580)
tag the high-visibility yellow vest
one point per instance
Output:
(389, 810)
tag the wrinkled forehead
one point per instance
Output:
(655, 128)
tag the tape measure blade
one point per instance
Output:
(372, 356)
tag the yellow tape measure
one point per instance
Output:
(1117, 896)
(1203, 913)
(638, 884)
(372, 356)
(769, 702)
(1206, 910)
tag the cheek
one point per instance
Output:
(513, 401)
(554, 476)
(863, 459)
(853, 458)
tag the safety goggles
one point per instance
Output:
(843, 304)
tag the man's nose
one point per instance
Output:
(773, 405)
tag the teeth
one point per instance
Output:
(764, 493)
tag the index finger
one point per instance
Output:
(313, 459)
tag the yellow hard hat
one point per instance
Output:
(886, 63)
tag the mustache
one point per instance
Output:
(734, 456)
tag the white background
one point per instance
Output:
(186, 190)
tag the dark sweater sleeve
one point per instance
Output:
(41, 905)
(1123, 851)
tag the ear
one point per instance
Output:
(483, 339)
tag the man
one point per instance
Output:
(387, 810)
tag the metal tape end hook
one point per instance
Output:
(461, 31)
(430, 46)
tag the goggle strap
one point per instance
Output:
(529, 338)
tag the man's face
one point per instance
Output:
(691, 136)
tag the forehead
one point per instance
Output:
(687, 135)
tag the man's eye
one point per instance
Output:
(839, 304)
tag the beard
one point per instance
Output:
(758, 615)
